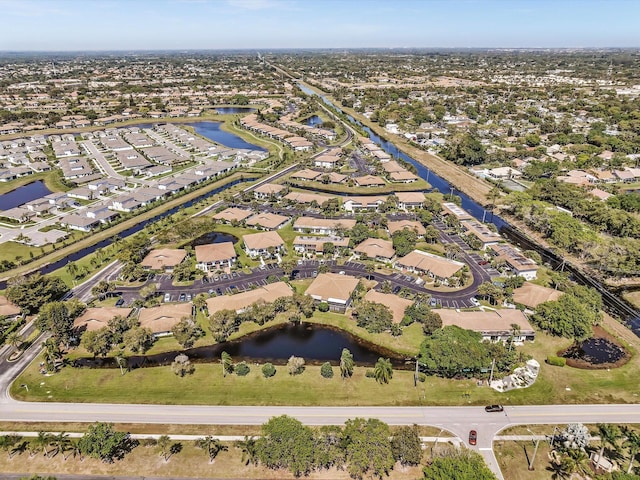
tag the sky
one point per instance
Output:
(87, 25)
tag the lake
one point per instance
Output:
(24, 194)
(315, 343)
(212, 131)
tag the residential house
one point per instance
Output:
(410, 200)
(375, 248)
(233, 214)
(268, 190)
(263, 244)
(322, 226)
(396, 304)
(370, 203)
(438, 268)
(369, 181)
(215, 256)
(163, 259)
(482, 232)
(315, 245)
(493, 325)
(395, 225)
(160, 320)
(450, 208)
(267, 221)
(521, 265)
(334, 289)
(96, 318)
(240, 302)
(531, 295)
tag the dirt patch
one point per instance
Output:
(602, 340)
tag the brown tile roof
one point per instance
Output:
(369, 180)
(162, 319)
(163, 257)
(267, 220)
(240, 301)
(396, 304)
(269, 188)
(233, 213)
(96, 318)
(485, 322)
(394, 226)
(303, 197)
(376, 247)
(215, 252)
(410, 197)
(263, 240)
(328, 286)
(439, 266)
(306, 174)
(532, 295)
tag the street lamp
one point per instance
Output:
(535, 450)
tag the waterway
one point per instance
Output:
(613, 303)
(24, 194)
(315, 343)
(212, 131)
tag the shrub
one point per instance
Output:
(422, 377)
(268, 370)
(369, 374)
(556, 361)
(396, 330)
(323, 307)
(295, 365)
(326, 370)
(242, 369)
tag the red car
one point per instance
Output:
(473, 437)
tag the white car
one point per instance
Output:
(475, 301)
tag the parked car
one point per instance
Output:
(120, 302)
(483, 262)
(188, 297)
(493, 408)
(182, 297)
(167, 297)
(396, 289)
(315, 273)
(432, 302)
(474, 301)
(211, 291)
(473, 437)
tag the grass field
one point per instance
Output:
(189, 461)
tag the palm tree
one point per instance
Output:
(163, 446)
(72, 269)
(8, 442)
(249, 449)
(14, 339)
(42, 441)
(212, 446)
(200, 302)
(74, 450)
(226, 361)
(370, 268)
(515, 331)
(576, 461)
(121, 361)
(383, 371)
(60, 443)
(632, 442)
(609, 434)
(346, 363)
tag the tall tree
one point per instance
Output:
(104, 443)
(32, 292)
(632, 442)
(346, 363)
(287, 443)
(383, 370)
(406, 445)
(227, 363)
(609, 435)
(212, 446)
(368, 447)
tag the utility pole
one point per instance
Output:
(535, 450)
(493, 364)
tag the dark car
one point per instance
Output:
(493, 408)
(483, 262)
(120, 302)
(396, 289)
(473, 437)
(183, 297)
